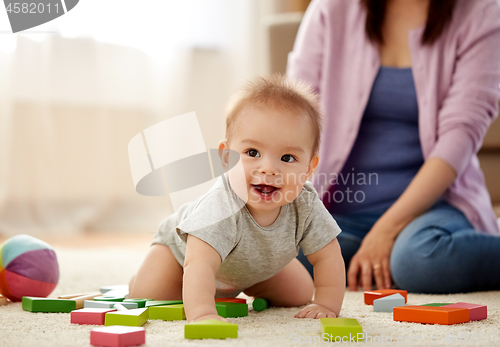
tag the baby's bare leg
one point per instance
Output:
(159, 277)
(292, 286)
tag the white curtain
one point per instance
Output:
(74, 91)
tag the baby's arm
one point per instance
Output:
(329, 282)
(198, 291)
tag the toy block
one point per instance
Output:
(71, 296)
(140, 302)
(377, 294)
(90, 315)
(339, 328)
(47, 305)
(119, 290)
(231, 309)
(163, 302)
(387, 303)
(80, 300)
(431, 314)
(117, 336)
(260, 304)
(236, 300)
(135, 318)
(476, 312)
(170, 312)
(109, 298)
(120, 307)
(210, 329)
(437, 304)
(107, 304)
(3, 300)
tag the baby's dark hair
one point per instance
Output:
(277, 93)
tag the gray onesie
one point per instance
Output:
(250, 253)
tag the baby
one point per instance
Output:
(244, 234)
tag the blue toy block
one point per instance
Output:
(387, 303)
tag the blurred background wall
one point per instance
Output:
(74, 91)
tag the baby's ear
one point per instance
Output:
(312, 166)
(224, 154)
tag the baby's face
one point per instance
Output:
(276, 152)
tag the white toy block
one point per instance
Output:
(387, 303)
(108, 304)
(119, 290)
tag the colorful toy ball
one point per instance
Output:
(28, 267)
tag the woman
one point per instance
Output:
(409, 89)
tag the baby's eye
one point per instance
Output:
(288, 158)
(253, 153)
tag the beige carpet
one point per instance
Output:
(88, 269)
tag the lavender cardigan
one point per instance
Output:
(457, 82)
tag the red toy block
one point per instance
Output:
(476, 312)
(431, 314)
(90, 315)
(117, 336)
(235, 300)
(377, 294)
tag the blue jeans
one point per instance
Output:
(438, 252)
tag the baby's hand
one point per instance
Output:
(315, 311)
(210, 316)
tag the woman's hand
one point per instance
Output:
(315, 311)
(371, 260)
(210, 316)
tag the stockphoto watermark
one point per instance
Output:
(451, 339)
(348, 187)
(24, 15)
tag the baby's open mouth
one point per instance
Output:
(264, 189)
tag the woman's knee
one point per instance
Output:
(417, 262)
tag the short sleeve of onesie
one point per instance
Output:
(213, 219)
(320, 228)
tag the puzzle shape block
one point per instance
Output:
(169, 312)
(377, 294)
(117, 336)
(338, 328)
(210, 329)
(48, 305)
(140, 302)
(260, 304)
(109, 298)
(107, 304)
(120, 307)
(236, 300)
(163, 302)
(90, 315)
(387, 303)
(437, 304)
(119, 290)
(231, 309)
(132, 318)
(71, 296)
(476, 312)
(431, 314)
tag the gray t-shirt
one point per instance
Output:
(250, 253)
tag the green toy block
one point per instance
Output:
(341, 329)
(170, 312)
(162, 302)
(260, 304)
(48, 305)
(132, 318)
(210, 329)
(140, 302)
(231, 309)
(109, 298)
(436, 304)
